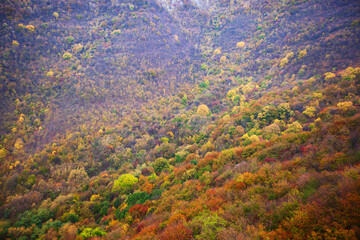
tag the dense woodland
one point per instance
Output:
(139, 119)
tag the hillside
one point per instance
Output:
(180, 119)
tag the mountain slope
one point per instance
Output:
(180, 120)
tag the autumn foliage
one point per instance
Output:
(179, 120)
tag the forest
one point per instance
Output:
(179, 120)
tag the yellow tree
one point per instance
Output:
(240, 45)
(203, 110)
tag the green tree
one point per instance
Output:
(329, 75)
(271, 130)
(70, 39)
(67, 56)
(254, 139)
(184, 100)
(2, 153)
(295, 127)
(90, 233)
(310, 111)
(285, 111)
(124, 183)
(344, 105)
(161, 164)
(209, 224)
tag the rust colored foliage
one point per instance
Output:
(146, 233)
(349, 210)
(235, 185)
(176, 231)
(176, 218)
(138, 211)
